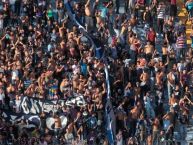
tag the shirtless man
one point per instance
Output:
(88, 16)
(57, 124)
(164, 52)
(170, 117)
(82, 82)
(144, 78)
(171, 82)
(69, 132)
(120, 117)
(30, 90)
(99, 20)
(98, 96)
(173, 101)
(159, 77)
(134, 113)
(65, 87)
(137, 89)
(156, 127)
(75, 83)
(183, 104)
(134, 42)
(149, 50)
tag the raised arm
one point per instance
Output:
(87, 3)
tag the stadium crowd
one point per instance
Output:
(45, 55)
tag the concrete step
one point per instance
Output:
(188, 31)
(188, 23)
(184, 10)
(189, 41)
(181, 14)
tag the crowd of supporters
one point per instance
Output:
(49, 53)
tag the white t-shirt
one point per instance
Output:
(75, 69)
(1, 23)
(42, 3)
(14, 74)
(17, 103)
(119, 140)
(12, 2)
(180, 67)
(2, 96)
(43, 143)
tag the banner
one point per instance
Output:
(30, 105)
(33, 121)
(31, 108)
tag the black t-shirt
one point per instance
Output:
(170, 36)
(183, 119)
(7, 13)
(177, 93)
(58, 75)
(141, 126)
(29, 8)
(172, 61)
(148, 16)
(43, 122)
(79, 123)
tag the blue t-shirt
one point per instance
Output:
(192, 41)
(52, 90)
(190, 5)
(104, 11)
(84, 69)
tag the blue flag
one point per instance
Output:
(110, 116)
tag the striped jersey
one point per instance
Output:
(181, 42)
(161, 11)
(27, 83)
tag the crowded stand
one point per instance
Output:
(94, 72)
